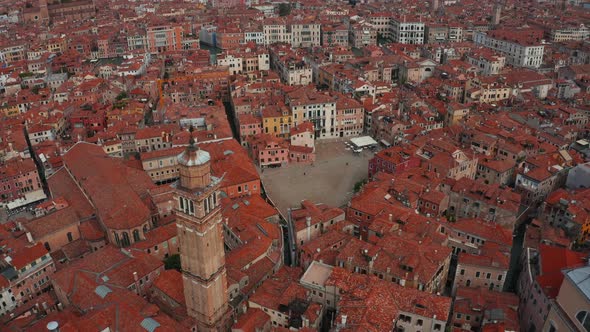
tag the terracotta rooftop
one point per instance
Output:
(113, 266)
(114, 189)
(373, 304)
(170, 282)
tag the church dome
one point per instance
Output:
(193, 156)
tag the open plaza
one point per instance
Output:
(330, 180)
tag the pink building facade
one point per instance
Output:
(18, 177)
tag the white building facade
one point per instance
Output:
(530, 56)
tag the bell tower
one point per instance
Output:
(202, 256)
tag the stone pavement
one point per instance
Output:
(329, 181)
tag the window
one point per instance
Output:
(136, 236)
(126, 241)
(584, 318)
(477, 274)
(70, 238)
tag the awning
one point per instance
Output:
(29, 198)
(363, 141)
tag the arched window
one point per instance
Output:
(192, 207)
(116, 235)
(70, 238)
(126, 241)
(181, 203)
(584, 318)
(145, 229)
(136, 236)
(47, 246)
(214, 199)
(206, 202)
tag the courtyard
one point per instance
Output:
(330, 180)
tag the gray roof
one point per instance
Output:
(199, 157)
(150, 324)
(581, 279)
(102, 291)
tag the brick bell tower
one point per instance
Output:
(202, 256)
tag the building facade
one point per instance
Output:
(407, 31)
(517, 54)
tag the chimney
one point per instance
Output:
(390, 217)
(135, 277)
(344, 320)
(29, 237)
(53, 326)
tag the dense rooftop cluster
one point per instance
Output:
(133, 135)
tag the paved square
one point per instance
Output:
(329, 181)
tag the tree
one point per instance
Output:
(381, 40)
(172, 262)
(284, 9)
(122, 95)
(359, 185)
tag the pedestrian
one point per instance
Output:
(304, 173)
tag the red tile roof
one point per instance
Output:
(53, 222)
(91, 231)
(252, 320)
(27, 255)
(157, 236)
(553, 260)
(372, 304)
(115, 189)
(281, 289)
(170, 283)
(476, 301)
(118, 265)
(61, 184)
